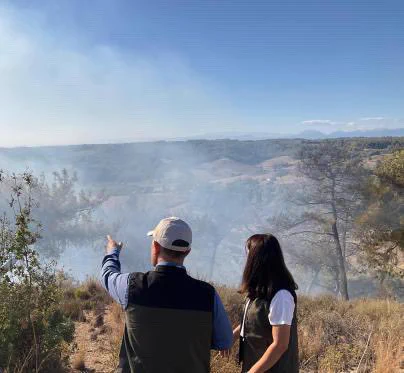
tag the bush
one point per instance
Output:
(73, 309)
(339, 357)
(82, 294)
(33, 330)
(87, 296)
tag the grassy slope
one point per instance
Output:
(334, 336)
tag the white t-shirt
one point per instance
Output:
(281, 309)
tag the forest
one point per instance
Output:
(337, 206)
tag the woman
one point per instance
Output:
(268, 330)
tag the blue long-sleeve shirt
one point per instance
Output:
(116, 283)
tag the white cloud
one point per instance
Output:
(361, 124)
(317, 122)
(353, 126)
(366, 119)
(370, 123)
(52, 94)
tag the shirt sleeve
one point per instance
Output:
(115, 282)
(222, 337)
(281, 308)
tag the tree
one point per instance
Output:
(327, 203)
(315, 261)
(66, 213)
(381, 225)
(234, 206)
(32, 328)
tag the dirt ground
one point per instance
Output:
(96, 343)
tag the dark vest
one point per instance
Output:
(258, 337)
(168, 323)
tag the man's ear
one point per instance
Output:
(156, 248)
(154, 252)
(186, 253)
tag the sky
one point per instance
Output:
(100, 71)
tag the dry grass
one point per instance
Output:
(361, 336)
(79, 362)
(233, 302)
(114, 335)
(389, 348)
(88, 296)
(117, 313)
(336, 336)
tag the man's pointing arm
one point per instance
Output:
(115, 282)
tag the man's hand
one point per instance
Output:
(112, 244)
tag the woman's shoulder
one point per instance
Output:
(283, 295)
(280, 296)
(282, 308)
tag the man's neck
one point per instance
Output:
(163, 261)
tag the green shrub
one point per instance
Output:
(33, 330)
(73, 310)
(340, 358)
(82, 294)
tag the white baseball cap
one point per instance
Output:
(172, 231)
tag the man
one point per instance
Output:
(172, 320)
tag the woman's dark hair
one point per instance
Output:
(265, 271)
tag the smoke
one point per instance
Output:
(214, 185)
(227, 190)
(54, 90)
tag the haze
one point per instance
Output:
(76, 72)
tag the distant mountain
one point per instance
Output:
(232, 136)
(311, 135)
(369, 133)
(308, 134)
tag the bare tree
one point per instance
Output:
(325, 205)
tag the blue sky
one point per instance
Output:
(102, 71)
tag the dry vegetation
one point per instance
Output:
(334, 336)
(337, 336)
(99, 327)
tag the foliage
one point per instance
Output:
(326, 205)
(84, 297)
(32, 328)
(66, 213)
(381, 226)
(391, 169)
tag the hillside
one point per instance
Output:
(362, 336)
(140, 162)
(227, 191)
(224, 188)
